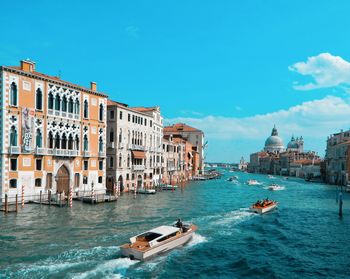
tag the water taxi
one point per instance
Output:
(275, 187)
(253, 182)
(263, 206)
(146, 191)
(157, 241)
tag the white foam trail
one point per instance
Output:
(235, 216)
(108, 269)
(196, 239)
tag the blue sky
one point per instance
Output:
(228, 67)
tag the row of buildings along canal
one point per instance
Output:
(59, 137)
(293, 160)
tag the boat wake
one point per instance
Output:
(196, 239)
(234, 217)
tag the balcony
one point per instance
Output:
(136, 147)
(14, 149)
(111, 145)
(86, 153)
(40, 151)
(101, 154)
(138, 167)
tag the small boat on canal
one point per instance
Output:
(157, 241)
(275, 187)
(167, 187)
(253, 182)
(264, 206)
(146, 191)
(233, 178)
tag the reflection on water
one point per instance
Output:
(303, 237)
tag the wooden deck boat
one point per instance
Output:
(157, 241)
(263, 206)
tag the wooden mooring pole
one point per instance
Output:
(340, 204)
(49, 197)
(16, 203)
(6, 204)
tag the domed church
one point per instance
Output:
(296, 144)
(274, 143)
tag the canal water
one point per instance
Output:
(303, 238)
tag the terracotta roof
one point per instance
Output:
(180, 127)
(54, 78)
(143, 109)
(114, 103)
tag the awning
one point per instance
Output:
(138, 154)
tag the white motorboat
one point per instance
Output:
(275, 187)
(157, 241)
(146, 191)
(271, 176)
(253, 182)
(264, 206)
(167, 187)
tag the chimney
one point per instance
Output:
(28, 65)
(93, 86)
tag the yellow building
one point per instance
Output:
(53, 134)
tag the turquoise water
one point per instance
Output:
(304, 238)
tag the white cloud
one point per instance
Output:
(314, 120)
(325, 69)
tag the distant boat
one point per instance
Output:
(271, 176)
(275, 187)
(253, 182)
(167, 187)
(146, 191)
(264, 206)
(233, 178)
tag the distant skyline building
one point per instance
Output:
(274, 143)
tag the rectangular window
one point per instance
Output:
(111, 163)
(100, 179)
(38, 164)
(145, 122)
(76, 180)
(13, 164)
(129, 117)
(133, 119)
(49, 181)
(13, 183)
(38, 182)
(85, 180)
(150, 123)
(86, 165)
(121, 115)
(111, 114)
(100, 165)
(127, 176)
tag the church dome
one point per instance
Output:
(274, 143)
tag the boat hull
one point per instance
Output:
(262, 210)
(162, 248)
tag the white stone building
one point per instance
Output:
(134, 153)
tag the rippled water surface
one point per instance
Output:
(304, 238)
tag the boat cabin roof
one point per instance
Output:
(165, 230)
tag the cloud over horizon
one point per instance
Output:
(314, 120)
(325, 69)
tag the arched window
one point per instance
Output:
(77, 143)
(38, 138)
(50, 140)
(129, 161)
(13, 94)
(101, 112)
(86, 109)
(13, 183)
(120, 160)
(77, 106)
(57, 102)
(111, 136)
(50, 101)
(64, 103)
(64, 142)
(70, 105)
(13, 136)
(39, 99)
(57, 141)
(128, 136)
(86, 143)
(100, 145)
(70, 142)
